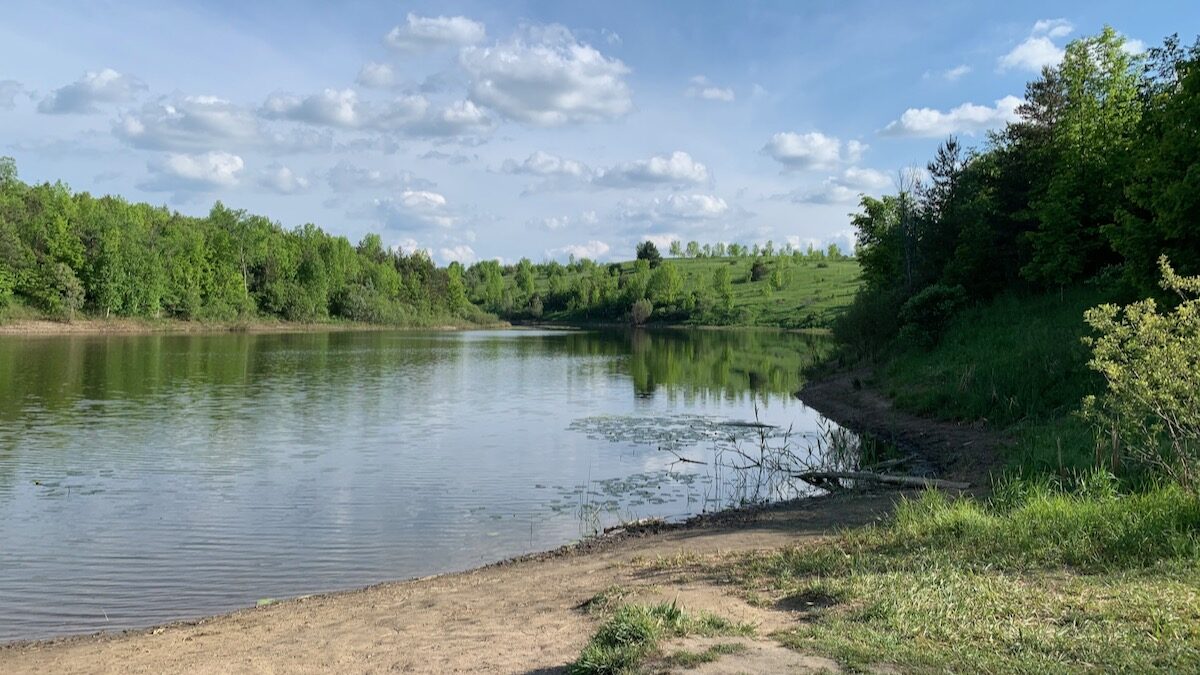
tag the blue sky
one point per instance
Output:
(483, 130)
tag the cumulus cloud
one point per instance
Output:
(554, 223)
(677, 169)
(85, 94)
(842, 189)
(545, 164)
(184, 173)
(346, 177)
(331, 107)
(674, 208)
(412, 115)
(967, 118)
(462, 253)
(593, 249)
(189, 123)
(1038, 49)
(282, 180)
(813, 150)
(415, 210)
(701, 88)
(426, 33)
(9, 91)
(547, 78)
(376, 75)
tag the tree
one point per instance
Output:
(665, 284)
(722, 283)
(676, 249)
(1091, 143)
(456, 290)
(640, 312)
(1162, 215)
(693, 249)
(525, 277)
(649, 252)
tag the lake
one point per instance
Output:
(158, 477)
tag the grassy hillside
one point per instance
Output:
(813, 292)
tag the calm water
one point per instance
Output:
(149, 478)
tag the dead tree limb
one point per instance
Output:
(827, 478)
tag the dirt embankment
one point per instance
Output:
(521, 616)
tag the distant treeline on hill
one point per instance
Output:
(63, 253)
(1098, 178)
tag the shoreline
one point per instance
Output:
(518, 614)
(124, 326)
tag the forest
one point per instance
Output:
(1088, 189)
(62, 253)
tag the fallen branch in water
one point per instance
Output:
(827, 478)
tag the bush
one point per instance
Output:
(640, 312)
(1150, 409)
(869, 323)
(759, 271)
(924, 316)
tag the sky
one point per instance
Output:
(526, 129)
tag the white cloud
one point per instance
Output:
(702, 88)
(593, 249)
(415, 209)
(1055, 28)
(182, 173)
(425, 33)
(547, 78)
(813, 150)
(331, 107)
(676, 169)
(545, 164)
(189, 123)
(282, 180)
(95, 87)
(346, 177)
(956, 73)
(462, 254)
(9, 91)
(844, 188)
(676, 207)
(967, 118)
(1038, 50)
(462, 118)
(376, 75)
(1134, 47)
(554, 223)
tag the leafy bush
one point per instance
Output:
(759, 271)
(924, 316)
(1150, 409)
(641, 311)
(869, 323)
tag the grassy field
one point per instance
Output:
(814, 290)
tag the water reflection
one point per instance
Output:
(146, 478)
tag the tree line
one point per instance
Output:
(1093, 183)
(63, 253)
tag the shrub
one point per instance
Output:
(640, 312)
(759, 271)
(1150, 409)
(924, 316)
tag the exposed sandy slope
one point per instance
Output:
(523, 616)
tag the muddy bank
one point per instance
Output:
(964, 452)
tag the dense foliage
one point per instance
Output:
(1095, 181)
(1150, 360)
(64, 252)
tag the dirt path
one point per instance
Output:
(521, 616)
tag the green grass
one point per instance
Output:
(1038, 580)
(1016, 364)
(689, 659)
(633, 633)
(814, 293)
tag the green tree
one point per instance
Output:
(665, 284)
(649, 252)
(722, 283)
